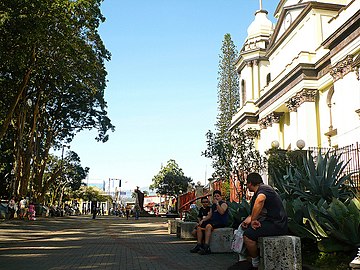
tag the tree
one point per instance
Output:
(52, 81)
(90, 194)
(228, 89)
(219, 146)
(63, 174)
(170, 180)
(245, 157)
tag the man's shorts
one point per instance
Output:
(214, 225)
(267, 229)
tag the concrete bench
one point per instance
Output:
(221, 239)
(178, 227)
(280, 252)
(185, 230)
(171, 226)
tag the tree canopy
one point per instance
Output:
(219, 146)
(52, 80)
(170, 180)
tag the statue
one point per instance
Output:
(139, 198)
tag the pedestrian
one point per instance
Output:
(268, 216)
(32, 211)
(12, 207)
(127, 210)
(94, 209)
(22, 206)
(137, 211)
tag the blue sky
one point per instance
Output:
(162, 89)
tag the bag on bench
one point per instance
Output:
(238, 240)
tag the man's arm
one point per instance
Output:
(221, 208)
(258, 206)
(208, 217)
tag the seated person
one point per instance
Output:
(217, 218)
(203, 212)
(268, 216)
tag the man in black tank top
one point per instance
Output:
(268, 216)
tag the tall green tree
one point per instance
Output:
(219, 146)
(245, 157)
(228, 89)
(170, 180)
(63, 174)
(52, 80)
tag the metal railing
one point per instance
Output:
(350, 154)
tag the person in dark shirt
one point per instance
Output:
(203, 212)
(217, 218)
(268, 216)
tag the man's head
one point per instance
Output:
(253, 180)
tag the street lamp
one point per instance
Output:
(275, 144)
(300, 144)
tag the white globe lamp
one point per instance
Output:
(300, 144)
(275, 144)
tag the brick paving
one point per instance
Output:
(109, 242)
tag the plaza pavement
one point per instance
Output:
(108, 242)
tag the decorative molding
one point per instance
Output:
(342, 68)
(356, 66)
(357, 73)
(306, 95)
(358, 112)
(272, 118)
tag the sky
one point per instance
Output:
(162, 85)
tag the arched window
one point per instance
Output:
(268, 79)
(243, 92)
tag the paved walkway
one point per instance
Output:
(109, 242)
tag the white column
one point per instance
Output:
(250, 81)
(256, 79)
(291, 136)
(307, 130)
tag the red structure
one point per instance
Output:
(184, 199)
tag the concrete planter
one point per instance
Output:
(185, 230)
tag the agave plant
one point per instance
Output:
(191, 215)
(320, 203)
(314, 182)
(339, 224)
(237, 213)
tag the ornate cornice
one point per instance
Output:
(306, 95)
(272, 118)
(356, 65)
(342, 68)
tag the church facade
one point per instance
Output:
(299, 79)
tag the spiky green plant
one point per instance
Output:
(238, 212)
(321, 202)
(192, 215)
(324, 179)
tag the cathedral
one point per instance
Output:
(299, 79)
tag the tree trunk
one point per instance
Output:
(20, 92)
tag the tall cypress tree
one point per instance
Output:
(219, 146)
(228, 88)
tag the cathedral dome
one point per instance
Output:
(260, 26)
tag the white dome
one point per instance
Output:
(261, 25)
